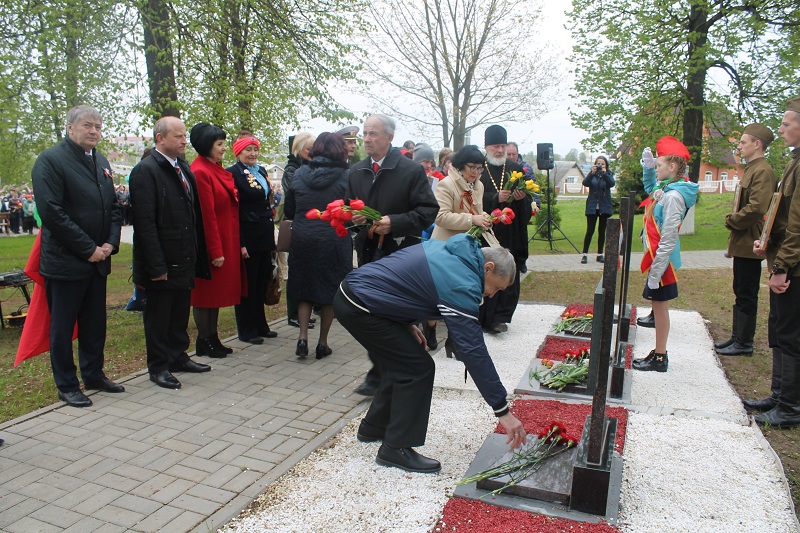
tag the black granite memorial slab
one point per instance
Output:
(495, 446)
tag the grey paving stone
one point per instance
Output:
(264, 455)
(161, 520)
(41, 490)
(211, 449)
(101, 468)
(153, 485)
(172, 491)
(186, 521)
(148, 457)
(118, 515)
(184, 472)
(97, 501)
(57, 516)
(28, 524)
(113, 481)
(232, 450)
(82, 464)
(87, 524)
(138, 473)
(11, 499)
(198, 463)
(20, 510)
(210, 493)
(48, 462)
(290, 446)
(222, 476)
(79, 495)
(21, 476)
(28, 449)
(251, 463)
(69, 454)
(193, 503)
(137, 504)
(69, 431)
(181, 446)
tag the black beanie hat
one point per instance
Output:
(203, 136)
(470, 154)
(495, 135)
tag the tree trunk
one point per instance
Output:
(695, 87)
(158, 57)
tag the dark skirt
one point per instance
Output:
(662, 294)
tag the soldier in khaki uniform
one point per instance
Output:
(757, 187)
(783, 254)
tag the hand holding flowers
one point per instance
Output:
(503, 216)
(337, 213)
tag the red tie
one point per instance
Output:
(183, 178)
(375, 167)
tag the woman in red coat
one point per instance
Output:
(220, 208)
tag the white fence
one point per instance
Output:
(713, 187)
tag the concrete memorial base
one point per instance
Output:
(546, 491)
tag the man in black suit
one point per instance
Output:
(169, 250)
(396, 187)
(81, 221)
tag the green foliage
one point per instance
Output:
(659, 57)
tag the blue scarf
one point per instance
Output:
(255, 171)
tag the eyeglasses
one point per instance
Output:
(473, 168)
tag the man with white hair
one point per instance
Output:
(497, 312)
(81, 221)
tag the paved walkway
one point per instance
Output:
(153, 459)
(551, 262)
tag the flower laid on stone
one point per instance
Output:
(536, 415)
(573, 370)
(337, 213)
(498, 216)
(527, 458)
(575, 321)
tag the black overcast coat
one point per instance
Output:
(79, 210)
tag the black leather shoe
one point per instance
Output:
(296, 323)
(407, 459)
(724, 344)
(762, 406)
(365, 389)
(657, 363)
(736, 348)
(165, 379)
(254, 340)
(302, 348)
(365, 435)
(105, 385)
(323, 351)
(75, 398)
(601, 259)
(648, 321)
(218, 344)
(267, 333)
(584, 260)
(204, 347)
(778, 417)
(189, 366)
(498, 328)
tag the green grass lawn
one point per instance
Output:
(710, 232)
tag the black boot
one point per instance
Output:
(648, 321)
(214, 340)
(743, 338)
(654, 362)
(430, 336)
(766, 404)
(787, 413)
(204, 347)
(732, 339)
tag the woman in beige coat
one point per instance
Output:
(460, 195)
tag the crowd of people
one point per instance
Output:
(204, 239)
(21, 208)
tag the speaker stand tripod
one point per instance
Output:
(551, 224)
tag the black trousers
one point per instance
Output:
(499, 309)
(787, 331)
(402, 404)
(251, 320)
(82, 301)
(601, 234)
(746, 281)
(166, 323)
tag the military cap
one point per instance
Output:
(759, 131)
(350, 133)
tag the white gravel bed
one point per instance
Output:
(511, 351)
(694, 380)
(697, 475)
(341, 489)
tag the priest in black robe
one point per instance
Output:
(496, 312)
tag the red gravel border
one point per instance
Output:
(554, 347)
(582, 309)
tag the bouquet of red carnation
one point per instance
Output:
(504, 216)
(337, 213)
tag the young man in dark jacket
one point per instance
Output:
(397, 188)
(169, 250)
(81, 221)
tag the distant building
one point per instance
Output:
(127, 152)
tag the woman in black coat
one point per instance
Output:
(318, 258)
(256, 237)
(598, 205)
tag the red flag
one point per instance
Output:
(35, 338)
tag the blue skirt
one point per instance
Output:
(661, 294)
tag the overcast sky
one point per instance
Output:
(553, 126)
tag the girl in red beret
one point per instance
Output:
(671, 195)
